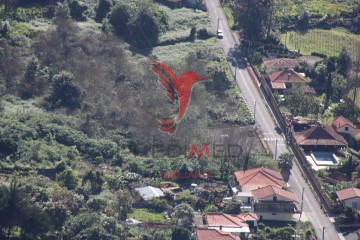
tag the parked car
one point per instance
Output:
(220, 33)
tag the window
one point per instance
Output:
(354, 204)
(274, 198)
(346, 128)
(273, 214)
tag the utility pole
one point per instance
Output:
(217, 28)
(254, 110)
(302, 200)
(323, 233)
(275, 156)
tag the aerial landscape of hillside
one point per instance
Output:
(179, 119)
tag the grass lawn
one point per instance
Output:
(330, 7)
(145, 215)
(328, 42)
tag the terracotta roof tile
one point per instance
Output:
(270, 191)
(276, 85)
(225, 220)
(341, 121)
(357, 132)
(310, 90)
(348, 193)
(213, 234)
(260, 177)
(278, 63)
(287, 76)
(320, 135)
(248, 216)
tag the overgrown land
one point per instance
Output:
(79, 110)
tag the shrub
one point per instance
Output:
(203, 34)
(158, 205)
(102, 9)
(77, 9)
(319, 54)
(68, 179)
(64, 92)
(139, 22)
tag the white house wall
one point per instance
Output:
(278, 198)
(350, 130)
(276, 217)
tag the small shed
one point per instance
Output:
(149, 192)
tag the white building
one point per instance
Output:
(349, 197)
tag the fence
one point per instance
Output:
(299, 154)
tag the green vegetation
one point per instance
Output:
(229, 16)
(145, 215)
(328, 42)
(293, 8)
(79, 111)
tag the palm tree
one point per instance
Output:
(285, 163)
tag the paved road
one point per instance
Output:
(263, 117)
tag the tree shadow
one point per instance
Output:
(237, 56)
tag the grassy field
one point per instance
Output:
(181, 21)
(330, 7)
(144, 215)
(328, 42)
(206, 52)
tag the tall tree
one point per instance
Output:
(338, 83)
(123, 204)
(353, 85)
(16, 211)
(344, 62)
(256, 18)
(285, 161)
(29, 81)
(180, 233)
(183, 213)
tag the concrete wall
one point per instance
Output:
(276, 217)
(244, 199)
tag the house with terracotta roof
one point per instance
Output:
(285, 80)
(274, 203)
(251, 179)
(249, 217)
(231, 223)
(349, 197)
(344, 125)
(214, 234)
(277, 64)
(320, 138)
